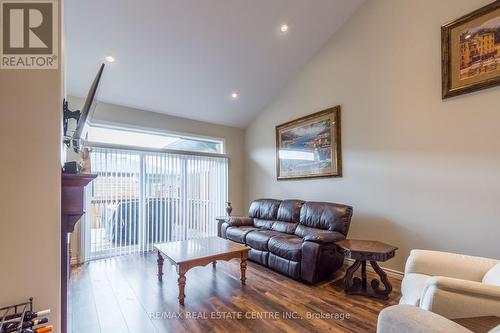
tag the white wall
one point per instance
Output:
(420, 172)
(30, 178)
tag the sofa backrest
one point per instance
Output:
(325, 216)
(288, 216)
(297, 216)
(264, 212)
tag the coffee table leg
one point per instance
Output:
(181, 282)
(243, 266)
(214, 264)
(160, 266)
(383, 293)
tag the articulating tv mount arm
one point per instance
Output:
(67, 115)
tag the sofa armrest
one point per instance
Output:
(452, 265)
(323, 236)
(238, 221)
(410, 319)
(456, 298)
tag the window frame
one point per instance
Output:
(154, 131)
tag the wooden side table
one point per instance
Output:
(362, 251)
(220, 220)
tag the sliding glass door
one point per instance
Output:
(141, 198)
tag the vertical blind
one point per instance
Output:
(141, 198)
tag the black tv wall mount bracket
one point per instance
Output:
(67, 115)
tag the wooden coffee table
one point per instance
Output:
(361, 251)
(199, 252)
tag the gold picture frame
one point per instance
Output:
(310, 147)
(470, 52)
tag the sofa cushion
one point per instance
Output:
(326, 216)
(288, 247)
(258, 239)
(265, 209)
(288, 216)
(284, 227)
(492, 277)
(289, 211)
(258, 256)
(263, 224)
(285, 266)
(237, 234)
(411, 288)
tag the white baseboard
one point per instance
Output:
(391, 272)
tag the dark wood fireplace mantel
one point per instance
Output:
(72, 209)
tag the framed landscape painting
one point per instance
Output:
(471, 52)
(309, 147)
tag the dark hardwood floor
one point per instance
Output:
(123, 295)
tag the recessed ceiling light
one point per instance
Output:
(109, 58)
(235, 95)
(284, 27)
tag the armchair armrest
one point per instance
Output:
(239, 221)
(456, 298)
(323, 236)
(410, 319)
(472, 288)
(448, 264)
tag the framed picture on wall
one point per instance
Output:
(470, 55)
(309, 147)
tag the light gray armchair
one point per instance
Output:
(452, 285)
(410, 319)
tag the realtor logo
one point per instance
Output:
(28, 35)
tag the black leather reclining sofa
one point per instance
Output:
(293, 237)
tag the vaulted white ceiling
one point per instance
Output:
(186, 57)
